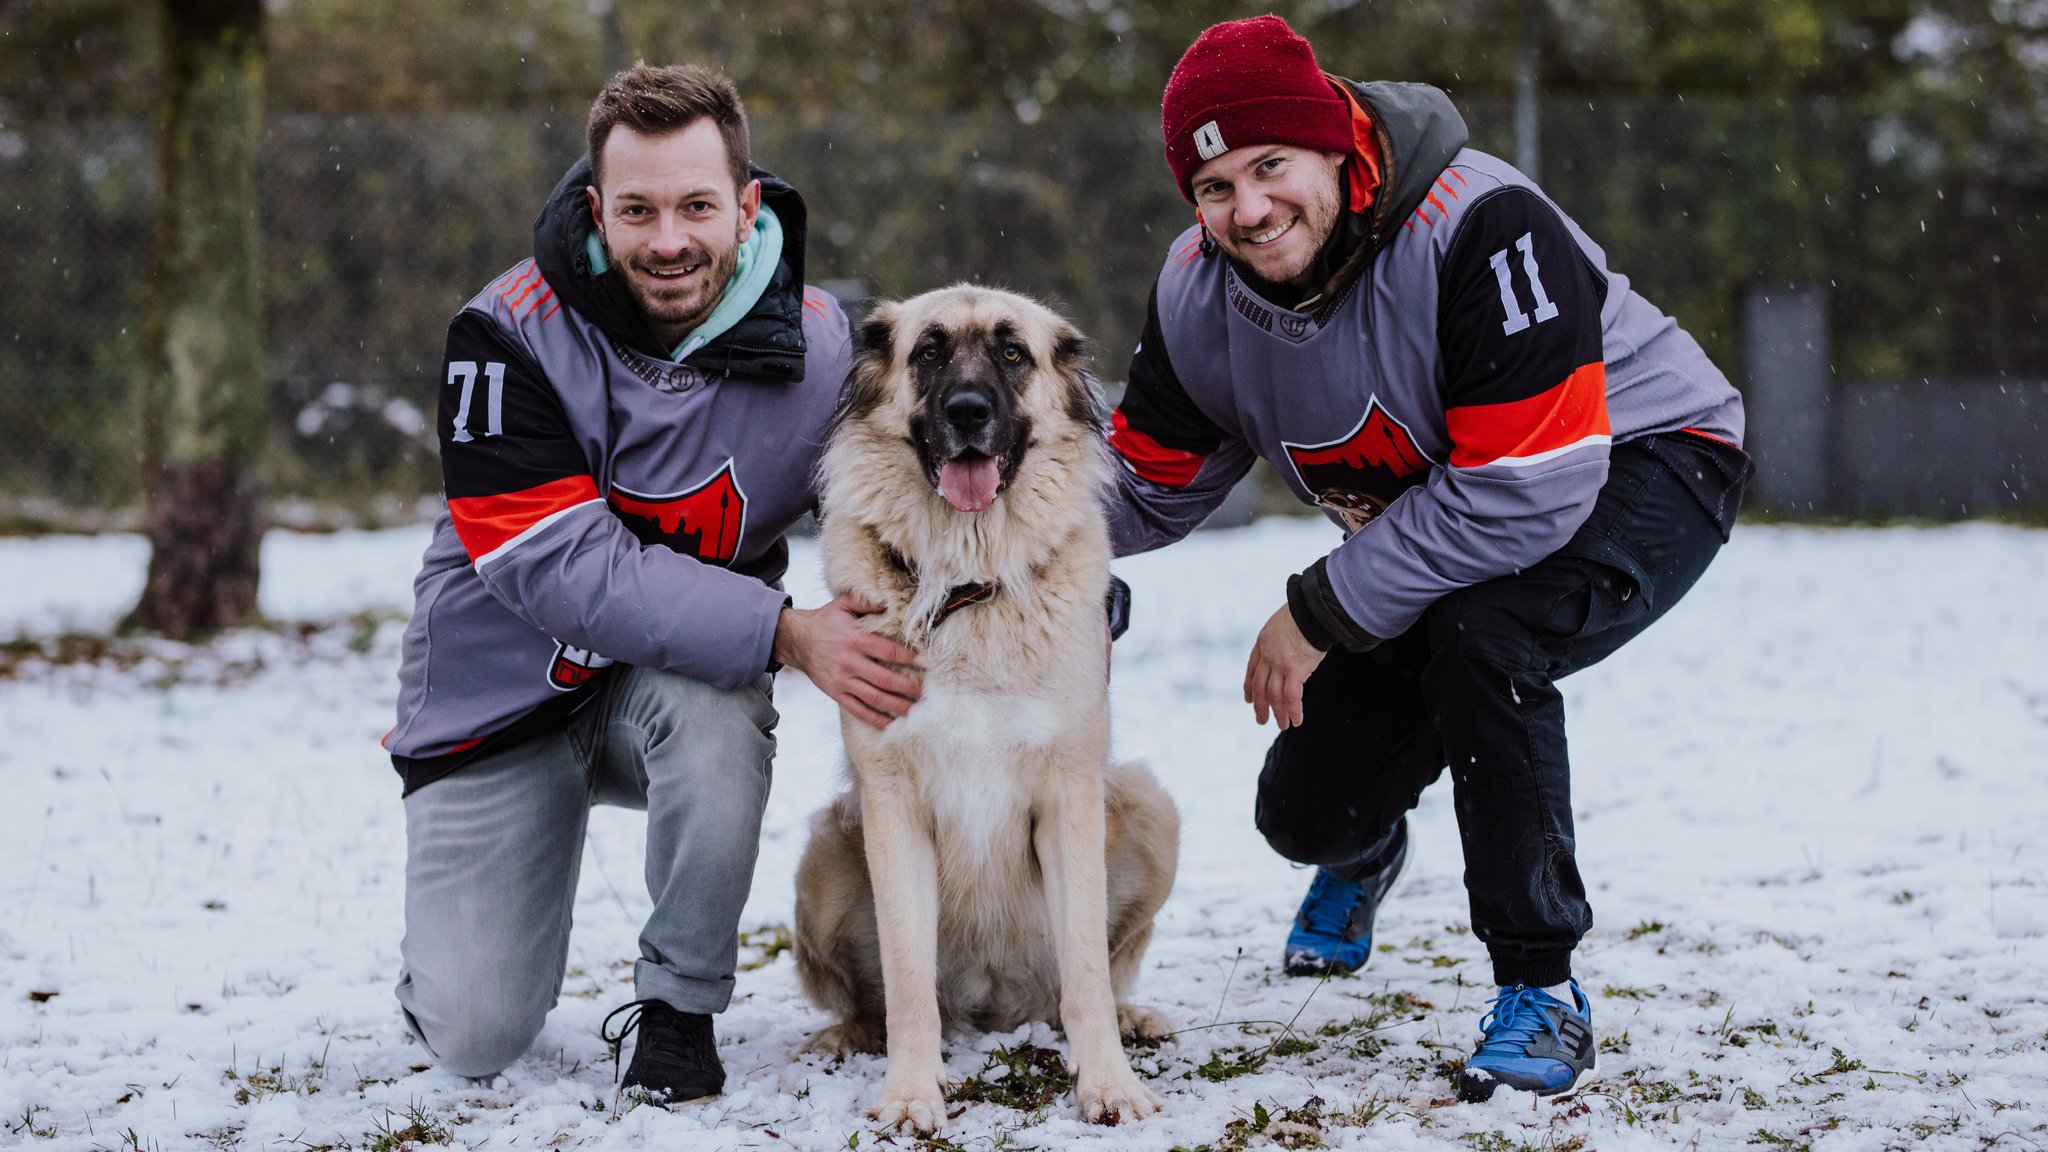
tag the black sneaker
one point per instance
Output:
(675, 1061)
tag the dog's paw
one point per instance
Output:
(916, 1106)
(843, 1040)
(1140, 1025)
(1115, 1098)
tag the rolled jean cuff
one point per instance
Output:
(683, 993)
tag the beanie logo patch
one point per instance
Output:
(1209, 141)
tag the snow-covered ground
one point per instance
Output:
(1813, 810)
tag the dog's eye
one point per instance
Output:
(929, 353)
(1012, 353)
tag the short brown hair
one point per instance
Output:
(658, 101)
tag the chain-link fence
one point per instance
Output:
(376, 229)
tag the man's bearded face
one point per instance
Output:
(673, 222)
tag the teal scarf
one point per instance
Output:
(759, 255)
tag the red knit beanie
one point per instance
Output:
(1246, 82)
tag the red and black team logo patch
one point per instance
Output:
(706, 522)
(572, 668)
(1359, 475)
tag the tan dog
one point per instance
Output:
(988, 865)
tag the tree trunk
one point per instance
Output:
(204, 402)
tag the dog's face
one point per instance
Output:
(971, 375)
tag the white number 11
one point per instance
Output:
(1518, 319)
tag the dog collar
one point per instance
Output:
(957, 597)
(960, 596)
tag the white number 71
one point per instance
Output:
(494, 404)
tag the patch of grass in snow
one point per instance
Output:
(1387, 1009)
(1230, 1063)
(1300, 1126)
(420, 1128)
(1789, 1143)
(1502, 1142)
(772, 940)
(27, 1124)
(63, 649)
(223, 1138)
(1614, 992)
(1646, 928)
(260, 1083)
(223, 660)
(1025, 1077)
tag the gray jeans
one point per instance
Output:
(493, 851)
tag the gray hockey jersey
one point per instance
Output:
(1451, 406)
(606, 503)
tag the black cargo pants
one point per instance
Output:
(1472, 685)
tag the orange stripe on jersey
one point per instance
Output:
(485, 523)
(1518, 430)
(1151, 459)
(516, 301)
(1710, 436)
(519, 285)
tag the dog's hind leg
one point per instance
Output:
(903, 867)
(1143, 854)
(838, 957)
(1070, 839)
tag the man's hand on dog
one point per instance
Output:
(873, 677)
(1280, 664)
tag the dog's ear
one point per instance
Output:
(867, 375)
(1071, 360)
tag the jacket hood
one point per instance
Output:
(1416, 131)
(767, 341)
(1419, 131)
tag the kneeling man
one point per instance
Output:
(1531, 464)
(629, 422)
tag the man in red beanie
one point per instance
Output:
(1530, 463)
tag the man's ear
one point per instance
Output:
(750, 207)
(596, 207)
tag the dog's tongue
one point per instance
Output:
(969, 485)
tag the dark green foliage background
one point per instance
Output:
(1893, 150)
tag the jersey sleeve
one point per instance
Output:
(1177, 465)
(1525, 406)
(530, 516)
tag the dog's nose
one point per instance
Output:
(968, 410)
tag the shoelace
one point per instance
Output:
(626, 1029)
(1330, 903)
(1516, 1015)
(656, 1039)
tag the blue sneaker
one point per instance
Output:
(1531, 1041)
(1333, 930)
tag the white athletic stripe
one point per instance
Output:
(498, 553)
(1540, 457)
